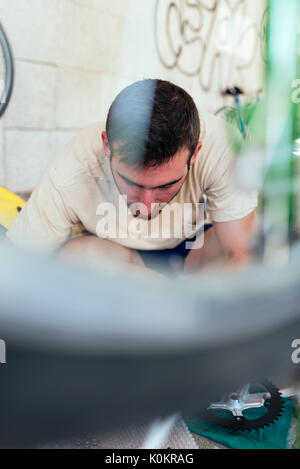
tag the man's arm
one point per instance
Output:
(45, 222)
(231, 208)
(234, 237)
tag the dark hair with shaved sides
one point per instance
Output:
(151, 120)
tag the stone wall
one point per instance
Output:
(73, 56)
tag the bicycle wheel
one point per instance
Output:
(6, 71)
(77, 365)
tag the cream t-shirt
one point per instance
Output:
(77, 193)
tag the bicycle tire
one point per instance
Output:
(76, 365)
(9, 71)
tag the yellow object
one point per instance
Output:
(10, 206)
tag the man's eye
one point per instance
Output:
(165, 188)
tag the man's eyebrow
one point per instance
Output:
(156, 187)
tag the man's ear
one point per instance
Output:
(106, 145)
(198, 148)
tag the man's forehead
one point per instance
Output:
(154, 177)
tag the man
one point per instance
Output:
(155, 154)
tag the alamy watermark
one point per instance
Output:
(2, 351)
(296, 353)
(168, 221)
(296, 93)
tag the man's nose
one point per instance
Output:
(147, 198)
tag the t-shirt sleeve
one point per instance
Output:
(45, 222)
(226, 201)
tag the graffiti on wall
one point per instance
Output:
(215, 40)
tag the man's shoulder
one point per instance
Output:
(216, 151)
(90, 131)
(82, 156)
(87, 142)
(213, 128)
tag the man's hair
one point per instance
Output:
(152, 120)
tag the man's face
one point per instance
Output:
(147, 189)
(147, 186)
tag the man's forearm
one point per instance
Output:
(235, 237)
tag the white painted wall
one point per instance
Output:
(73, 56)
